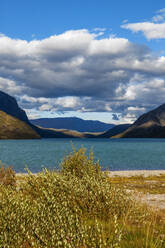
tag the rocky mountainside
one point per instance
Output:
(72, 123)
(148, 125)
(9, 105)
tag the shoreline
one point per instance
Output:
(132, 173)
(124, 173)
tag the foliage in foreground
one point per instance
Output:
(7, 176)
(77, 207)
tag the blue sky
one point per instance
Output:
(40, 19)
(79, 78)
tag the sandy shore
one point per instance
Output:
(130, 173)
(126, 173)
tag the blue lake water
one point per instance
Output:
(113, 154)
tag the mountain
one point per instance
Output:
(148, 125)
(13, 128)
(63, 133)
(13, 120)
(72, 123)
(14, 123)
(9, 105)
(114, 131)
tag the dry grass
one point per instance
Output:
(13, 128)
(150, 184)
(79, 207)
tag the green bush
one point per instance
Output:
(78, 164)
(74, 208)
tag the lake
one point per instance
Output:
(113, 154)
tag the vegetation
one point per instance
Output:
(150, 184)
(77, 207)
(7, 176)
(13, 128)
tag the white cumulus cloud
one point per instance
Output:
(76, 71)
(150, 30)
(154, 29)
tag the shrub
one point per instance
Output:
(7, 176)
(78, 164)
(48, 212)
(77, 208)
(93, 191)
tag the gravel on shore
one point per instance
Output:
(131, 173)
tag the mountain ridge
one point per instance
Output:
(72, 123)
(148, 125)
(14, 123)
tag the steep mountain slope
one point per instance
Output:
(156, 116)
(14, 123)
(13, 128)
(9, 105)
(72, 123)
(148, 125)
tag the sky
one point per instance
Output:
(102, 60)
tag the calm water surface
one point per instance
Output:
(114, 154)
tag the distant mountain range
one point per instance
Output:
(14, 124)
(72, 123)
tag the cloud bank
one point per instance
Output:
(79, 71)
